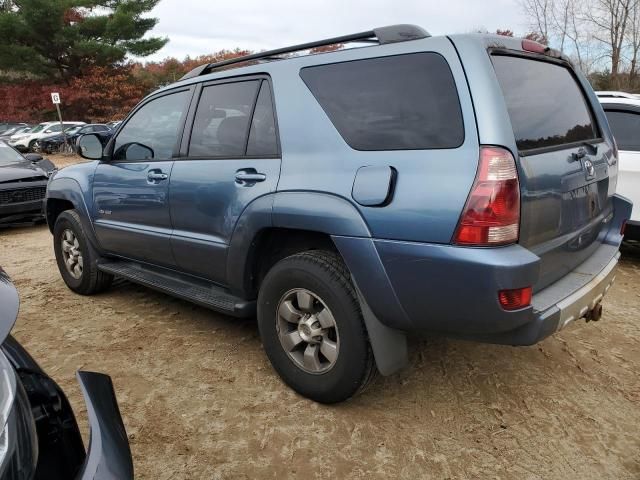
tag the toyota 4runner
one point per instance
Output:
(458, 184)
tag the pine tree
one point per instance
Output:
(65, 38)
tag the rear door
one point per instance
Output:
(230, 158)
(624, 121)
(564, 167)
(131, 191)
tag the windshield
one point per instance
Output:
(37, 129)
(8, 156)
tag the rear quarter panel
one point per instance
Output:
(431, 186)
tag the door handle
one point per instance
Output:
(249, 177)
(156, 176)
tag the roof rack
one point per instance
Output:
(381, 35)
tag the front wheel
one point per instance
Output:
(312, 327)
(77, 260)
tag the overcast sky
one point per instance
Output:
(197, 27)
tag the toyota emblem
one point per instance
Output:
(588, 166)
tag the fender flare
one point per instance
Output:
(311, 211)
(70, 190)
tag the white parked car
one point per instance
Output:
(25, 142)
(624, 118)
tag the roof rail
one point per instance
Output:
(381, 35)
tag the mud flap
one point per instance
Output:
(389, 345)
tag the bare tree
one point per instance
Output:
(540, 15)
(611, 19)
(633, 40)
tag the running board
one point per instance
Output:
(197, 291)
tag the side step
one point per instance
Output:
(197, 291)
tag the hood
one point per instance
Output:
(20, 171)
(9, 305)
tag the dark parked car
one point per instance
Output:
(458, 184)
(40, 438)
(23, 185)
(53, 143)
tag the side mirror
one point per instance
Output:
(134, 151)
(33, 157)
(47, 131)
(90, 147)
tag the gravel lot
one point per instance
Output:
(200, 400)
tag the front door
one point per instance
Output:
(130, 191)
(232, 158)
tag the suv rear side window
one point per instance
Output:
(222, 120)
(625, 127)
(546, 105)
(403, 102)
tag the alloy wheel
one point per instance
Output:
(72, 254)
(307, 331)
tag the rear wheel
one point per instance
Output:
(77, 260)
(312, 327)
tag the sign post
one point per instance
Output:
(55, 98)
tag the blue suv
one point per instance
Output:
(459, 184)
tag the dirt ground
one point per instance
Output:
(200, 400)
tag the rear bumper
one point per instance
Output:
(454, 290)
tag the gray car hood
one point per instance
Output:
(9, 305)
(19, 171)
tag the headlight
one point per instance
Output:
(18, 440)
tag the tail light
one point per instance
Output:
(515, 299)
(623, 228)
(492, 213)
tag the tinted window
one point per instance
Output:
(546, 106)
(391, 103)
(221, 125)
(626, 129)
(152, 132)
(262, 136)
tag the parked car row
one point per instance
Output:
(54, 143)
(49, 137)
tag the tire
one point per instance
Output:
(87, 280)
(31, 145)
(322, 276)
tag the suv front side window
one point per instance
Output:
(152, 131)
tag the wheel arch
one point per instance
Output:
(66, 194)
(288, 222)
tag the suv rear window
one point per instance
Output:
(545, 103)
(403, 102)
